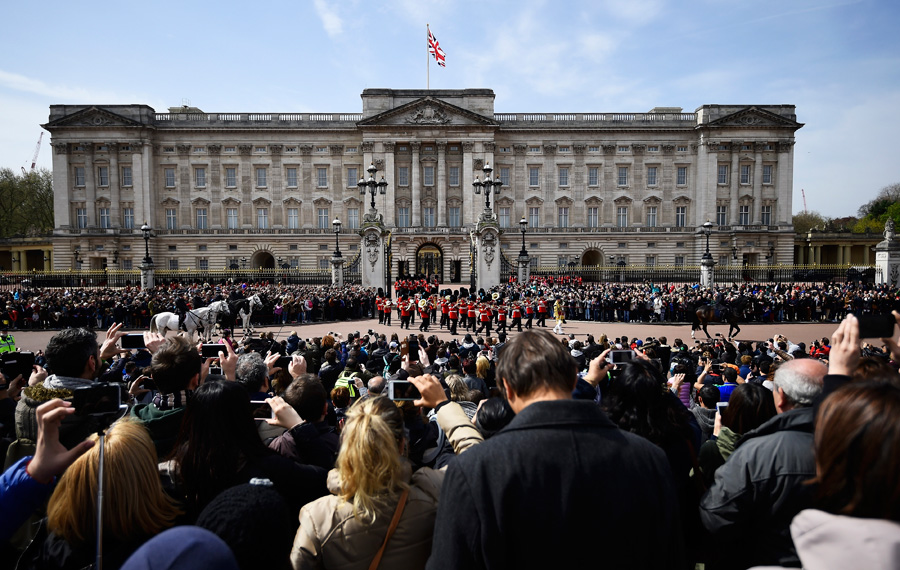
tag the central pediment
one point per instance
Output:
(427, 112)
(93, 117)
(754, 117)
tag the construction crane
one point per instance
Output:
(37, 149)
(802, 191)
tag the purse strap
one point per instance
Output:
(398, 512)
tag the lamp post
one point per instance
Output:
(523, 226)
(489, 186)
(147, 280)
(373, 188)
(78, 259)
(243, 263)
(145, 231)
(336, 224)
(707, 265)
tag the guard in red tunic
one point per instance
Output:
(386, 311)
(501, 319)
(445, 311)
(542, 313)
(379, 307)
(453, 317)
(424, 314)
(471, 314)
(486, 316)
(515, 313)
(529, 313)
(405, 310)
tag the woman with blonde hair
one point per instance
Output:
(135, 507)
(379, 509)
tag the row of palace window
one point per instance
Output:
(534, 176)
(745, 174)
(323, 219)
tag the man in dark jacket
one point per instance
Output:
(559, 470)
(312, 441)
(763, 484)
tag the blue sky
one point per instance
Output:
(837, 61)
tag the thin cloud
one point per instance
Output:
(330, 20)
(60, 93)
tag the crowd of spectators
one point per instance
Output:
(59, 308)
(411, 451)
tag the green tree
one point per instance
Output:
(805, 221)
(877, 211)
(26, 203)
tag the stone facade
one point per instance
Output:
(594, 187)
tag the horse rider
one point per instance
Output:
(181, 309)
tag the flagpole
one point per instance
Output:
(427, 61)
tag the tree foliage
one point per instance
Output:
(26, 203)
(805, 221)
(877, 211)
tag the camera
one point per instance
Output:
(133, 341)
(14, 363)
(212, 350)
(99, 400)
(261, 410)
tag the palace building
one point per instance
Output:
(260, 189)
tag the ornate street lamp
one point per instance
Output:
(707, 228)
(336, 224)
(488, 185)
(373, 188)
(523, 226)
(145, 231)
(244, 263)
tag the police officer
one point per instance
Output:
(7, 342)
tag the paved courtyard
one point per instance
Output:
(797, 332)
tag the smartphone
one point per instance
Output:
(283, 362)
(720, 407)
(98, 400)
(413, 350)
(213, 350)
(402, 390)
(133, 341)
(876, 326)
(215, 370)
(261, 410)
(621, 356)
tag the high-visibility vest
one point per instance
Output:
(7, 344)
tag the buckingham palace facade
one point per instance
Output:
(260, 189)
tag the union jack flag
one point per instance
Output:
(434, 49)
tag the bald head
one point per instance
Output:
(798, 383)
(376, 385)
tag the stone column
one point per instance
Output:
(848, 254)
(214, 183)
(442, 184)
(840, 255)
(784, 182)
(487, 242)
(90, 185)
(706, 181)
(416, 182)
(756, 217)
(62, 206)
(470, 209)
(887, 258)
(147, 280)
(735, 184)
(115, 192)
(390, 198)
(707, 271)
(524, 262)
(801, 255)
(337, 271)
(140, 161)
(373, 260)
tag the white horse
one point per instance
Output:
(244, 308)
(194, 319)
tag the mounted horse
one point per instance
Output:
(244, 308)
(729, 313)
(195, 320)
